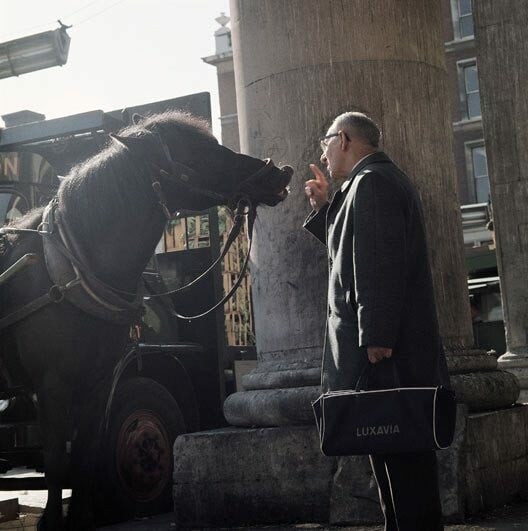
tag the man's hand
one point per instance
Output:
(317, 189)
(376, 354)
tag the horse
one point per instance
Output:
(93, 242)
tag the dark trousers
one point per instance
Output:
(408, 489)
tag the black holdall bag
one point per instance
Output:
(385, 421)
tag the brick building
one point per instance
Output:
(469, 149)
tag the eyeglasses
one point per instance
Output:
(324, 141)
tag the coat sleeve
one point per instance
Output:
(316, 223)
(379, 251)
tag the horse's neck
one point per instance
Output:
(123, 238)
(127, 246)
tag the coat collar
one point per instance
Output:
(378, 156)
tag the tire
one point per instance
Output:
(136, 477)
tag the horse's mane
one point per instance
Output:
(112, 180)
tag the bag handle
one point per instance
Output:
(367, 371)
(364, 372)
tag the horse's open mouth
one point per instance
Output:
(272, 188)
(283, 194)
(287, 172)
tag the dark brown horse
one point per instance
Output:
(108, 216)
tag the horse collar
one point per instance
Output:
(67, 266)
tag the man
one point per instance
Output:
(381, 306)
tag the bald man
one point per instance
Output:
(381, 308)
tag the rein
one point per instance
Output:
(231, 237)
(230, 293)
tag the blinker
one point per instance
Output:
(129, 142)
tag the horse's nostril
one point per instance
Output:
(288, 170)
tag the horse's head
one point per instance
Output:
(194, 170)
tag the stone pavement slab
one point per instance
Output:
(153, 525)
(507, 518)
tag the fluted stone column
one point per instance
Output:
(299, 63)
(501, 27)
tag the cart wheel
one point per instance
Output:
(136, 479)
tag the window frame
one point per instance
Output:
(456, 18)
(463, 94)
(470, 169)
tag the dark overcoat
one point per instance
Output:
(380, 289)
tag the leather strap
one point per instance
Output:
(54, 295)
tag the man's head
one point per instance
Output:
(352, 136)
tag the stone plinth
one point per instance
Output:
(478, 383)
(234, 477)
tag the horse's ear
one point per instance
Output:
(136, 118)
(130, 142)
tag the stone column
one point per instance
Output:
(501, 28)
(299, 63)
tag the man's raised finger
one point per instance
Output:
(319, 175)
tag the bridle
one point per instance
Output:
(183, 174)
(178, 171)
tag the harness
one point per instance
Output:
(69, 270)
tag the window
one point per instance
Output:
(471, 90)
(465, 18)
(480, 174)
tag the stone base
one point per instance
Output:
(271, 407)
(234, 477)
(279, 393)
(516, 363)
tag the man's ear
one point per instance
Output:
(345, 142)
